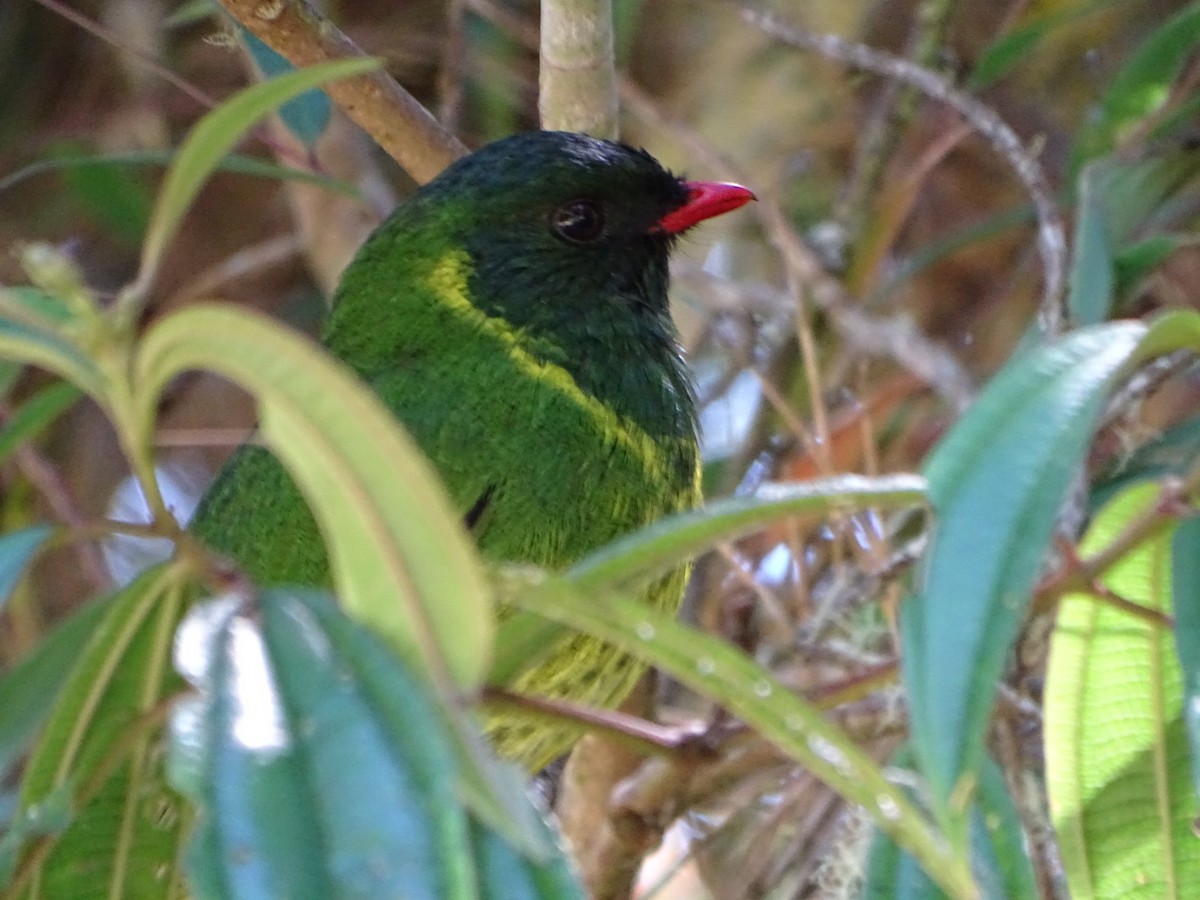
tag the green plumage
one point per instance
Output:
(539, 372)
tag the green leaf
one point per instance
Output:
(29, 689)
(399, 556)
(118, 198)
(1116, 198)
(664, 544)
(1143, 85)
(308, 115)
(1117, 769)
(1009, 50)
(997, 482)
(400, 560)
(1090, 285)
(213, 137)
(16, 549)
(1185, 585)
(998, 854)
(102, 745)
(29, 335)
(38, 411)
(321, 764)
(523, 639)
(751, 692)
(1137, 260)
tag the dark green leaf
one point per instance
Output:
(1137, 260)
(29, 689)
(1185, 583)
(235, 163)
(1006, 53)
(1143, 85)
(322, 766)
(117, 198)
(998, 856)
(997, 482)
(103, 745)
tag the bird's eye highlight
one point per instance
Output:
(580, 221)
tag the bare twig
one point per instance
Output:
(144, 58)
(894, 338)
(392, 116)
(1052, 242)
(257, 258)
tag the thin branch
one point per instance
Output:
(111, 37)
(1052, 244)
(896, 338)
(393, 117)
(577, 75)
(889, 114)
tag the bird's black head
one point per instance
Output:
(563, 230)
(566, 240)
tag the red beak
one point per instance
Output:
(705, 200)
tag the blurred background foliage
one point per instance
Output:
(918, 218)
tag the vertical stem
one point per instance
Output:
(577, 81)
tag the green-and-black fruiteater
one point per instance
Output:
(513, 315)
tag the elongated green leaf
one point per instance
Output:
(400, 559)
(102, 744)
(1143, 85)
(997, 482)
(115, 196)
(1090, 286)
(213, 137)
(1009, 50)
(523, 639)
(35, 414)
(1140, 258)
(998, 854)
(1185, 585)
(721, 672)
(664, 544)
(34, 333)
(28, 690)
(1117, 768)
(1006, 53)
(1173, 452)
(322, 765)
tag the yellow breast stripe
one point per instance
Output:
(448, 282)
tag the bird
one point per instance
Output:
(513, 316)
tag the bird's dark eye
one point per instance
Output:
(580, 221)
